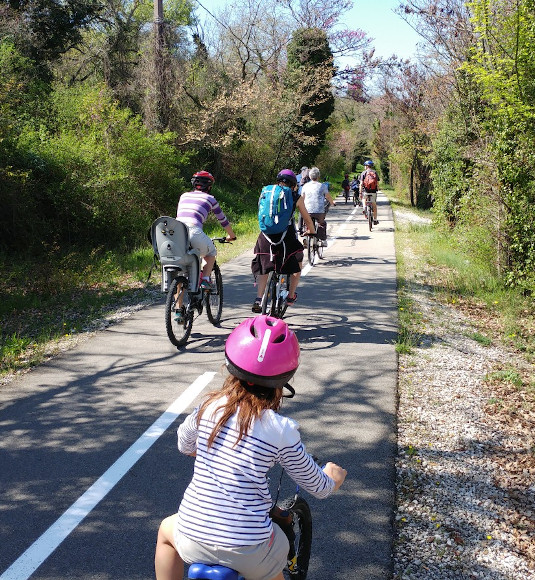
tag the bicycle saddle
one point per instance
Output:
(212, 572)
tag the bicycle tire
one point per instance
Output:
(213, 299)
(321, 248)
(282, 289)
(178, 332)
(311, 245)
(299, 559)
(370, 218)
(269, 296)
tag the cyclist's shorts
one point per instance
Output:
(284, 257)
(257, 562)
(372, 194)
(201, 241)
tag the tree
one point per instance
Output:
(309, 75)
(43, 30)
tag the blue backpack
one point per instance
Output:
(275, 209)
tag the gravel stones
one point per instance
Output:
(456, 514)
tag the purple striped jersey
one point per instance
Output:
(228, 500)
(194, 207)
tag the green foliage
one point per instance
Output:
(309, 75)
(450, 170)
(98, 177)
(43, 30)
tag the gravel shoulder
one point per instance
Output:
(466, 452)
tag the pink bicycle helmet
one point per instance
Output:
(263, 351)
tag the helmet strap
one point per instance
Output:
(291, 389)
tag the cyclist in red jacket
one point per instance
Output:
(368, 186)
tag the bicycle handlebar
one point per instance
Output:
(223, 240)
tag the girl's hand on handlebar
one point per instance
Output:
(336, 473)
(230, 238)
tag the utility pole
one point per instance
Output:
(158, 65)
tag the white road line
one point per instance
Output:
(41, 549)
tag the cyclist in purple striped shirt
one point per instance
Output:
(193, 209)
(237, 435)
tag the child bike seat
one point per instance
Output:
(212, 572)
(170, 242)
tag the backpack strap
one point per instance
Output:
(272, 243)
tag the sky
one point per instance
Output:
(391, 34)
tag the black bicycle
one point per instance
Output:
(181, 267)
(314, 247)
(369, 210)
(294, 517)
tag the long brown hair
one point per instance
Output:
(249, 401)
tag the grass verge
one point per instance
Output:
(48, 301)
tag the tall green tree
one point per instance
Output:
(43, 30)
(309, 75)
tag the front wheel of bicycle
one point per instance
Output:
(301, 540)
(214, 297)
(177, 303)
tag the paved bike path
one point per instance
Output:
(66, 422)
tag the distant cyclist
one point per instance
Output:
(346, 186)
(368, 186)
(315, 195)
(236, 435)
(193, 209)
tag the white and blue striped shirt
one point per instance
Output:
(227, 501)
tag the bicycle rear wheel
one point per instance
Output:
(270, 295)
(213, 298)
(370, 217)
(178, 332)
(320, 248)
(312, 246)
(300, 538)
(282, 290)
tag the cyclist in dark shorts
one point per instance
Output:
(282, 253)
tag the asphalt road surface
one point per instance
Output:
(88, 458)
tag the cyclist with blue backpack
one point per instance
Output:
(236, 435)
(278, 247)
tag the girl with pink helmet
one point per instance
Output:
(236, 435)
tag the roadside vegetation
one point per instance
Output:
(455, 274)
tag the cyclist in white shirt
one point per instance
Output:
(237, 435)
(315, 195)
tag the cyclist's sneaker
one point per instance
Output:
(205, 284)
(291, 301)
(257, 306)
(179, 316)
(375, 222)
